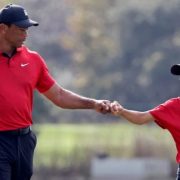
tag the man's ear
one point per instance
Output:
(3, 28)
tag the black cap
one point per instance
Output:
(175, 69)
(17, 15)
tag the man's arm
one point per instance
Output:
(135, 117)
(69, 100)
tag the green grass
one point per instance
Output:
(64, 144)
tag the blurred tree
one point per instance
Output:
(124, 53)
(92, 41)
(148, 57)
(4, 2)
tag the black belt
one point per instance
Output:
(17, 132)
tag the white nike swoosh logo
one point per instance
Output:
(23, 65)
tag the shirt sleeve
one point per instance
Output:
(45, 81)
(167, 113)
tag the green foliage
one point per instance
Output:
(4, 2)
(137, 63)
(67, 145)
(90, 25)
(39, 111)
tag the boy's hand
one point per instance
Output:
(116, 108)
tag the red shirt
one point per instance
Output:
(167, 116)
(25, 71)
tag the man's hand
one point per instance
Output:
(103, 106)
(116, 108)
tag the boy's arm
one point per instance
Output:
(136, 117)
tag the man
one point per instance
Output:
(166, 115)
(22, 71)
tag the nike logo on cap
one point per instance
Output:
(23, 65)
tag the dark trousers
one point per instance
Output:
(178, 173)
(16, 156)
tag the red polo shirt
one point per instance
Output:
(167, 116)
(25, 72)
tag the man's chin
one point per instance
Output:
(19, 45)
